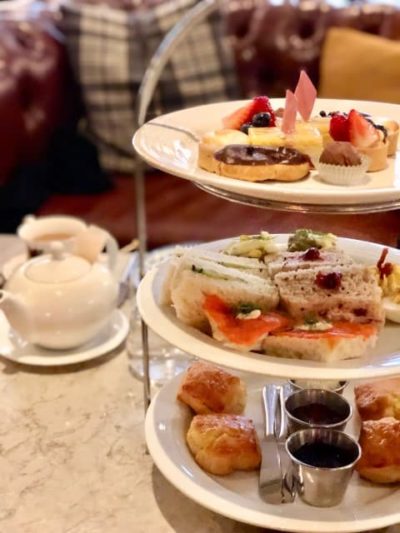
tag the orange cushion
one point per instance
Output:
(359, 66)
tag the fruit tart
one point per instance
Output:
(363, 134)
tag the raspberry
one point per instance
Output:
(339, 128)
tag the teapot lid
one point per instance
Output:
(56, 267)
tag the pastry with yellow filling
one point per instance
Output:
(305, 138)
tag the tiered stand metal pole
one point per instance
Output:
(145, 95)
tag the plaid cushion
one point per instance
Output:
(109, 51)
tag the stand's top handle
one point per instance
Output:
(164, 52)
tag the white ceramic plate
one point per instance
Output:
(170, 143)
(14, 349)
(383, 360)
(365, 506)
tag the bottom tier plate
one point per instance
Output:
(365, 507)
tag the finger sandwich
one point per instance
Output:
(234, 282)
(341, 293)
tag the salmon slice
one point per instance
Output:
(242, 332)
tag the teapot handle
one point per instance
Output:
(92, 241)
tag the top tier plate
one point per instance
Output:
(170, 143)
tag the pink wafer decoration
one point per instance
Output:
(289, 115)
(306, 94)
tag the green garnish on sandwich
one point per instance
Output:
(303, 239)
(215, 274)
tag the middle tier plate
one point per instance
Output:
(383, 360)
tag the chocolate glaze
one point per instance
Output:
(244, 154)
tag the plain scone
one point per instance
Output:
(206, 388)
(380, 445)
(222, 443)
(378, 399)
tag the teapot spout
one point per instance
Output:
(17, 315)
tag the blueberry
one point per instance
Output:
(322, 113)
(261, 120)
(245, 127)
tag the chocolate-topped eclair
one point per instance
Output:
(242, 154)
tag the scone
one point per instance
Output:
(206, 388)
(213, 141)
(222, 443)
(378, 399)
(380, 446)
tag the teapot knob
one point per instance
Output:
(56, 249)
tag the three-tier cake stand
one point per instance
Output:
(154, 141)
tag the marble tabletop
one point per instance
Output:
(73, 457)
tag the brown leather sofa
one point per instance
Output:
(33, 88)
(271, 42)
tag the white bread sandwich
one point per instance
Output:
(250, 265)
(341, 293)
(194, 277)
(325, 342)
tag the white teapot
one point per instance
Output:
(59, 300)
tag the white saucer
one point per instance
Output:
(12, 348)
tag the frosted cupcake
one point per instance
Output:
(341, 164)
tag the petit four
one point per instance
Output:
(341, 164)
(363, 134)
(215, 140)
(261, 163)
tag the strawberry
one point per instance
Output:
(239, 117)
(339, 128)
(362, 133)
(244, 114)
